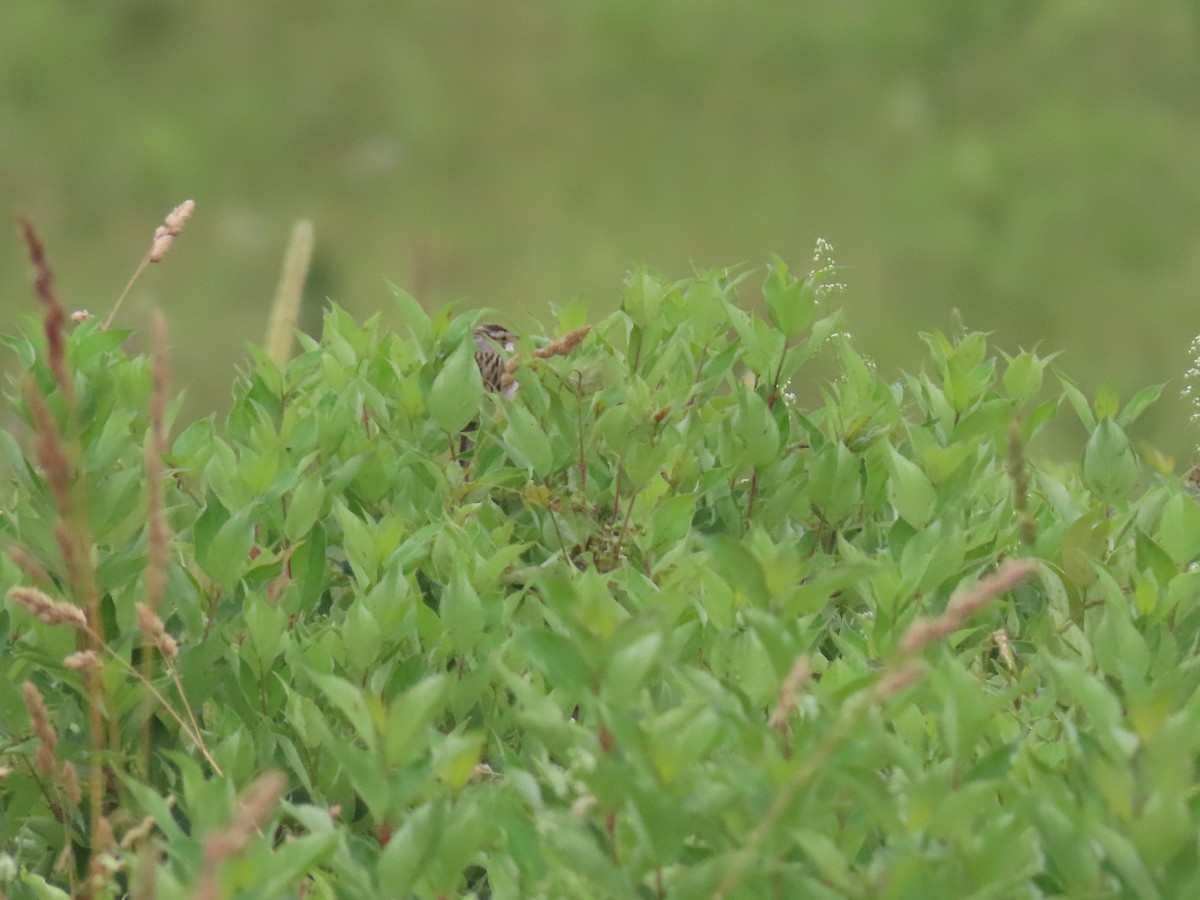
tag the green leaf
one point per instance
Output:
(89, 342)
(349, 700)
(1122, 856)
(465, 831)
(932, 557)
(672, 519)
(1103, 710)
(461, 613)
(23, 348)
(308, 567)
(1179, 529)
(756, 429)
(738, 567)
(989, 418)
(266, 624)
(409, 851)
(835, 481)
(360, 634)
(455, 759)
(527, 441)
(572, 315)
(628, 667)
(413, 314)
(228, 555)
(1119, 647)
(115, 499)
(39, 888)
(1106, 403)
(1138, 403)
(791, 302)
(1153, 558)
(293, 860)
(829, 859)
(1083, 544)
(457, 391)
(304, 507)
(1023, 377)
(409, 717)
(1109, 466)
(909, 490)
(558, 657)
(860, 375)
(358, 544)
(643, 297)
(1079, 403)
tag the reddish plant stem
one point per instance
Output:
(579, 418)
(753, 495)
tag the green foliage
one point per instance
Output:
(652, 637)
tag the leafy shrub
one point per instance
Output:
(661, 632)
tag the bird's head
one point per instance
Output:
(498, 335)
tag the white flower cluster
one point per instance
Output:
(824, 268)
(1191, 381)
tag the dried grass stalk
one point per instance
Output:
(33, 570)
(164, 236)
(898, 678)
(789, 692)
(1018, 473)
(152, 628)
(965, 604)
(70, 784)
(257, 804)
(285, 310)
(158, 532)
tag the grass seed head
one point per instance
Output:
(39, 720)
(563, 345)
(48, 610)
(152, 628)
(166, 233)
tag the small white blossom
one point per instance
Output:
(823, 270)
(1191, 384)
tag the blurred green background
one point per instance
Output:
(1033, 164)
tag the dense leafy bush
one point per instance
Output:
(662, 632)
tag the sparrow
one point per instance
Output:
(492, 341)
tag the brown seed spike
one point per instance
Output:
(39, 718)
(54, 317)
(257, 803)
(166, 233)
(565, 344)
(48, 610)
